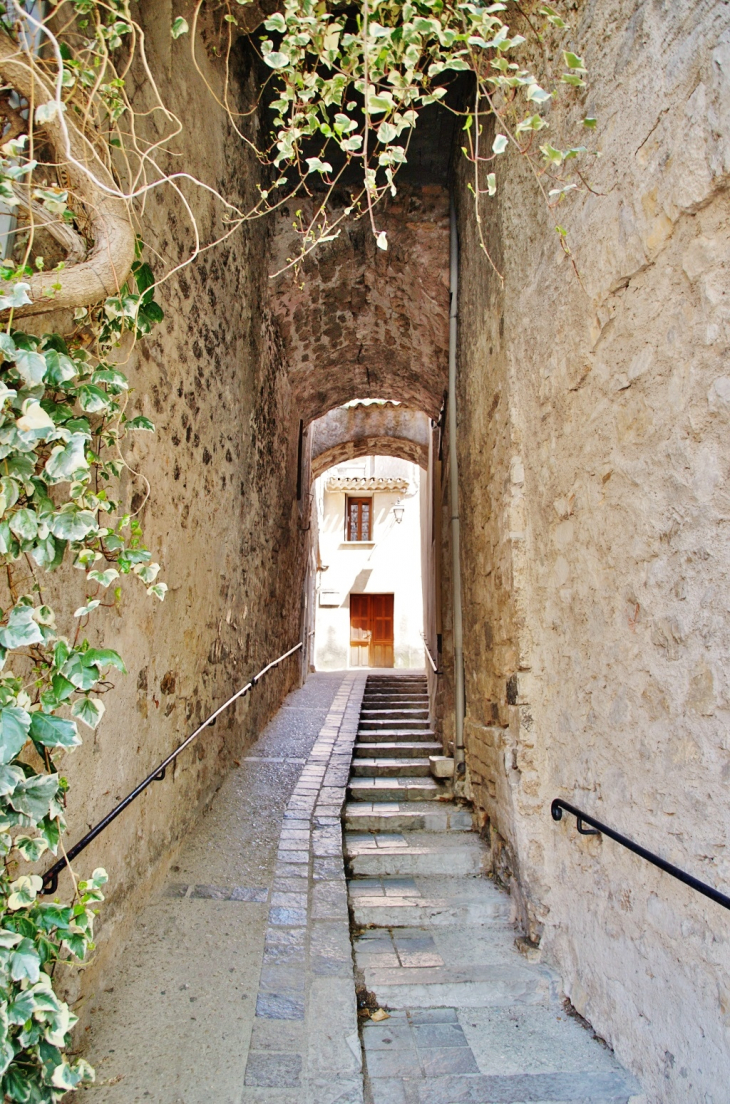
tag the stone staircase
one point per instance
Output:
(471, 1020)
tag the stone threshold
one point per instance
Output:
(305, 1047)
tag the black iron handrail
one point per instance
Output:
(50, 878)
(597, 827)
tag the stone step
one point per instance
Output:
(375, 724)
(396, 691)
(391, 768)
(397, 789)
(403, 902)
(584, 1087)
(403, 714)
(419, 692)
(419, 699)
(383, 688)
(395, 703)
(398, 750)
(371, 854)
(410, 816)
(393, 735)
(468, 987)
(399, 679)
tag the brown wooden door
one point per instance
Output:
(371, 630)
(359, 630)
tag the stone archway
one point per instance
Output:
(366, 430)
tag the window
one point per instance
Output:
(358, 524)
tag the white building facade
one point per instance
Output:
(369, 595)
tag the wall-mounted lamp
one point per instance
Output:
(398, 512)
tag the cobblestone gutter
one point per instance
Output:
(304, 1045)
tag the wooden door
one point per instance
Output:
(381, 619)
(359, 630)
(371, 630)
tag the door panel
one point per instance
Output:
(371, 630)
(359, 630)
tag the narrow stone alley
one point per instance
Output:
(269, 1014)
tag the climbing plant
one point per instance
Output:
(346, 87)
(351, 80)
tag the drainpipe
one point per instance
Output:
(459, 762)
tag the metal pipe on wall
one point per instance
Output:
(459, 761)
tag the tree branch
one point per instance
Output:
(110, 259)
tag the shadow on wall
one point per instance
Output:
(332, 656)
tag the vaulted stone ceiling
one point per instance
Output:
(360, 322)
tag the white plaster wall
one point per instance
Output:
(390, 564)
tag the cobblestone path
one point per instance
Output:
(471, 1021)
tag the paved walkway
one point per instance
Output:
(225, 967)
(238, 985)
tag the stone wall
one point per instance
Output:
(594, 456)
(222, 517)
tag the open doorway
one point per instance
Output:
(369, 595)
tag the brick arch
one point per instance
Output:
(360, 321)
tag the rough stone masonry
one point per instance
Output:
(594, 459)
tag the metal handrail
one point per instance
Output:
(430, 657)
(50, 878)
(597, 828)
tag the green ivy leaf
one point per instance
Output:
(103, 658)
(25, 962)
(33, 795)
(31, 847)
(20, 1010)
(83, 677)
(179, 27)
(140, 422)
(60, 368)
(31, 366)
(14, 728)
(24, 524)
(50, 829)
(51, 731)
(73, 524)
(115, 380)
(66, 460)
(92, 398)
(88, 710)
(104, 578)
(21, 629)
(573, 61)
